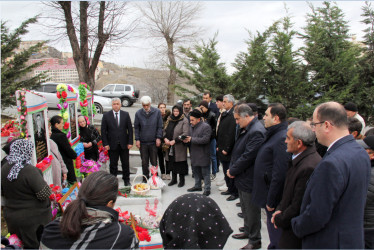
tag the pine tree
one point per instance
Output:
(287, 81)
(365, 100)
(203, 70)
(252, 71)
(14, 65)
(330, 57)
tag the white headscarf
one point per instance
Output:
(20, 154)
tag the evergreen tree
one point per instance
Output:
(287, 81)
(252, 71)
(203, 70)
(365, 100)
(14, 67)
(330, 57)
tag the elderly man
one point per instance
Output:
(117, 136)
(300, 142)
(148, 133)
(225, 143)
(250, 136)
(271, 167)
(332, 211)
(200, 160)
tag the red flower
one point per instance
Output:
(55, 189)
(66, 125)
(50, 157)
(52, 197)
(58, 95)
(58, 197)
(64, 94)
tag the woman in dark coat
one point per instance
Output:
(194, 221)
(175, 128)
(89, 137)
(90, 222)
(67, 153)
(27, 207)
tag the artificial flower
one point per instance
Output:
(64, 94)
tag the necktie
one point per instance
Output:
(117, 119)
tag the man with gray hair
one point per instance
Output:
(148, 133)
(250, 136)
(225, 143)
(117, 136)
(300, 142)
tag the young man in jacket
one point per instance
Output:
(271, 167)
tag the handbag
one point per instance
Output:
(165, 147)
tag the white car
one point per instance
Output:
(48, 90)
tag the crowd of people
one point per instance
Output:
(313, 178)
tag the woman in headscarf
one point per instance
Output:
(27, 207)
(89, 137)
(165, 113)
(90, 222)
(194, 221)
(176, 128)
(67, 153)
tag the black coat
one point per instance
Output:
(271, 167)
(68, 154)
(369, 207)
(109, 235)
(244, 154)
(210, 118)
(226, 135)
(113, 135)
(298, 174)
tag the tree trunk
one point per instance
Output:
(173, 74)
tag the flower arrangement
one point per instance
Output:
(9, 128)
(83, 87)
(54, 198)
(103, 154)
(89, 166)
(141, 232)
(63, 105)
(45, 163)
(22, 110)
(14, 240)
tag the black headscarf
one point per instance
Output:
(194, 221)
(172, 121)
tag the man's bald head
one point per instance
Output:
(334, 113)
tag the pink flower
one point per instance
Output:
(65, 105)
(22, 117)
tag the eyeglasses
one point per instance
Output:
(313, 125)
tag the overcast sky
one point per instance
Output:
(231, 19)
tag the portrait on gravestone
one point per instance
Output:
(73, 123)
(40, 136)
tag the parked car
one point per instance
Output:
(126, 92)
(48, 90)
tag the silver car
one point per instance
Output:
(48, 90)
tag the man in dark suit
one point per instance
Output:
(300, 142)
(250, 136)
(225, 143)
(332, 210)
(117, 136)
(271, 167)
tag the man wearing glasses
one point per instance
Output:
(332, 210)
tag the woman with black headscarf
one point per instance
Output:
(175, 129)
(27, 207)
(194, 221)
(89, 137)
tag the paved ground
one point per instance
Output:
(228, 207)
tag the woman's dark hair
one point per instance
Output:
(55, 120)
(97, 189)
(161, 103)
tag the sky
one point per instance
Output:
(231, 19)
